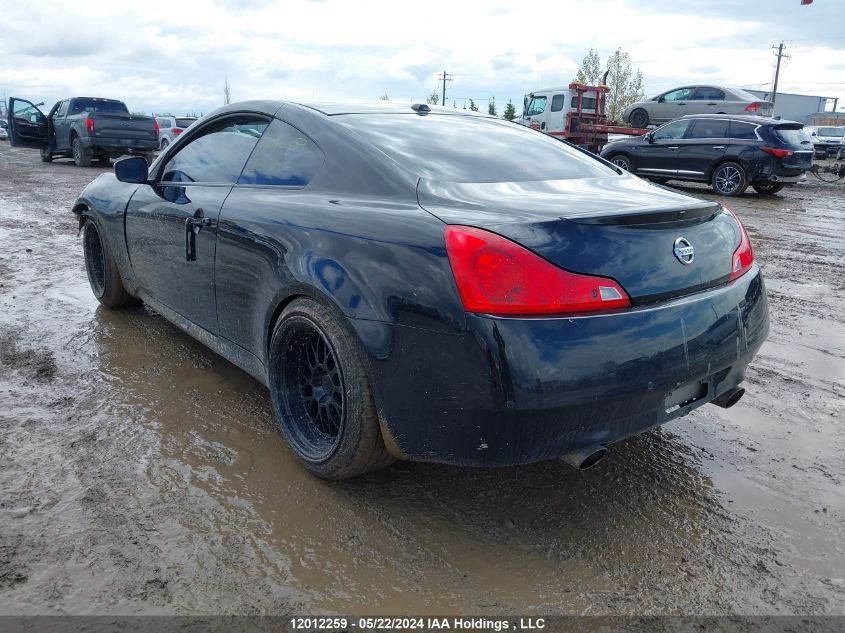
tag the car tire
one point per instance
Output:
(164, 144)
(46, 156)
(622, 162)
(81, 154)
(729, 179)
(321, 393)
(768, 188)
(103, 273)
(639, 118)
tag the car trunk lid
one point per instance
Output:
(618, 227)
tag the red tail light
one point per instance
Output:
(753, 107)
(780, 153)
(175, 131)
(157, 128)
(743, 256)
(89, 126)
(497, 276)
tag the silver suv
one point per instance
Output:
(170, 127)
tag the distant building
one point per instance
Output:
(798, 107)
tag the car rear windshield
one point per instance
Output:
(98, 105)
(794, 137)
(184, 122)
(472, 149)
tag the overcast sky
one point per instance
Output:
(174, 56)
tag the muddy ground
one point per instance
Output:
(140, 473)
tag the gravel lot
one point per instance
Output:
(140, 473)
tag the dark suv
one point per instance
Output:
(728, 151)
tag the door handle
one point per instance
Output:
(193, 226)
(673, 148)
(682, 104)
(719, 147)
(713, 103)
(543, 126)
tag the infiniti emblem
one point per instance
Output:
(684, 251)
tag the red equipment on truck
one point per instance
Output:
(576, 114)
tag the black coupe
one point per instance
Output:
(424, 283)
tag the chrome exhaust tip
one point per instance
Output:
(586, 457)
(729, 398)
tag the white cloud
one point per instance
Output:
(174, 57)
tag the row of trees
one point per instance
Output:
(509, 113)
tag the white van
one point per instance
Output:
(546, 109)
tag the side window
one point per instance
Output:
(217, 156)
(709, 128)
(742, 130)
(62, 111)
(163, 123)
(537, 106)
(78, 107)
(671, 131)
(706, 93)
(557, 102)
(284, 156)
(681, 94)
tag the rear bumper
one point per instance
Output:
(118, 147)
(514, 391)
(778, 178)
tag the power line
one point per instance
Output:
(444, 77)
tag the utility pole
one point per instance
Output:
(780, 54)
(444, 77)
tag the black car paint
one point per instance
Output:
(449, 386)
(680, 159)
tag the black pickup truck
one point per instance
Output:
(82, 128)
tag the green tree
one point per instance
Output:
(472, 106)
(491, 107)
(590, 71)
(510, 111)
(626, 86)
(384, 97)
(433, 98)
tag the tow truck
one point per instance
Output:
(574, 113)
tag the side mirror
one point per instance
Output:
(649, 137)
(133, 170)
(661, 99)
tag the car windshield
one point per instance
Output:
(98, 105)
(831, 131)
(795, 137)
(472, 149)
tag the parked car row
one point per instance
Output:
(729, 152)
(89, 129)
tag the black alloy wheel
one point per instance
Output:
(95, 259)
(321, 392)
(314, 391)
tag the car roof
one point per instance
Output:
(332, 108)
(749, 118)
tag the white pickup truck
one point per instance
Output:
(546, 109)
